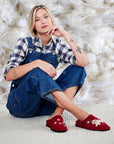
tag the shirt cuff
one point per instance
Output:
(7, 69)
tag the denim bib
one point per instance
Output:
(34, 55)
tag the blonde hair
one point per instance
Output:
(31, 21)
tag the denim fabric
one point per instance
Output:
(31, 94)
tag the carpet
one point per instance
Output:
(33, 130)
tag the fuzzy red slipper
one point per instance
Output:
(56, 124)
(92, 123)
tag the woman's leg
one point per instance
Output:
(70, 92)
(71, 80)
(64, 102)
(85, 120)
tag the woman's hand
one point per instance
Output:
(56, 31)
(46, 67)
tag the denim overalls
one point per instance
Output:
(31, 94)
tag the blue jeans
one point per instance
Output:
(31, 95)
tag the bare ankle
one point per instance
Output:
(82, 118)
(57, 112)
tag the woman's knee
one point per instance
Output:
(74, 69)
(33, 73)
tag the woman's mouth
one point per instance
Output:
(44, 26)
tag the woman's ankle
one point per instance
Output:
(57, 112)
(84, 117)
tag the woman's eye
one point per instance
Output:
(46, 17)
(37, 20)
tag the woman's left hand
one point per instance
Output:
(56, 31)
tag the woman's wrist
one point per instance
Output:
(69, 39)
(35, 64)
(65, 35)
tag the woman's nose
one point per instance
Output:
(42, 20)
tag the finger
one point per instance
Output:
(53, 31)
(49, 73)
(53, 69)
(50, 30)
(53, 73)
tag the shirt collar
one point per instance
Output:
(37, 39)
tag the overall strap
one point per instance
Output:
(29, 40)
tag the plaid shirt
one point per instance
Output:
(63, 52)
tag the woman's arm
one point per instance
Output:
(81, 58)
(20, 71)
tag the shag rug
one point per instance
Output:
(33, 130)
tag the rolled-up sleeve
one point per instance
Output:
(65, 53)
(17, 56)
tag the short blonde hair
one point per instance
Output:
(31, 21)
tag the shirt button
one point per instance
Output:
(13, 85)
(30, 51)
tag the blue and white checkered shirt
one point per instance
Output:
(63, 52)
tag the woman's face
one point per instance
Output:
(43, 21)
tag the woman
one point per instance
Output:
(32, 68)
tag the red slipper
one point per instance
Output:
(56, 124)
(92, 123)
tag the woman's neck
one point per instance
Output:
(44, 39)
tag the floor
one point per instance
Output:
(33, 130)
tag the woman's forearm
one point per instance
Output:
(20, 71)
(81, 58)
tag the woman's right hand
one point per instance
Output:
(46, 67)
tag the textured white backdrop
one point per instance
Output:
(90, 23)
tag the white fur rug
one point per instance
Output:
(89, 22)
(33, 130)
